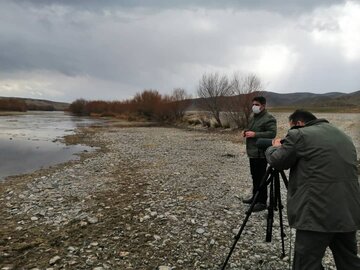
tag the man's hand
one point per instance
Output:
(276, 142)
(249, 134)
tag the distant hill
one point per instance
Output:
(333, 101)
(40, 104)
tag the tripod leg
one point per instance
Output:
(283, 176)
(270, 216)
(282, 234)
(264, 182)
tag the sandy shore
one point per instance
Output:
(150, 197)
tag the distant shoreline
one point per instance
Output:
(3, 113)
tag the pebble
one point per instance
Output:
(54, 260)
(92, 220)
(200, 230)
(178, 191)
(162, 267)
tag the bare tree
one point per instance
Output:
(79, 107)
(180, 100)
(212, 89)
(244, 89)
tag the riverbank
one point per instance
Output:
(149, 197)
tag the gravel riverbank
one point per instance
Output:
(149, 198)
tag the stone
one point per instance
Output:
(157, 237)
(124, 253)
(200, 230)
(92, 220)
(163, 267)
(54, 260)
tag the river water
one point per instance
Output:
(29, 141)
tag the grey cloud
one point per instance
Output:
(324, 71)
(281, 6)
(123, 48)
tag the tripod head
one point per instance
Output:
(274, 172)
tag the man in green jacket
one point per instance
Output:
(323, 200)
(262, 125)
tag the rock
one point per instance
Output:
(146, 217)
(157, 237)
(173, 218)
(9, 267)
(54, 260)
(163, 267)
(200, 230)
(90, 261)
(124, 253)
(71, 249)
(83, 223)
(92, 220)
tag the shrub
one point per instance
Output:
(79, 107)
(12, 104)
(107, 114)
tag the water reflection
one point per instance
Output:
(29, 142)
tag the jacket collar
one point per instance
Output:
(312, 123)
(316, 122)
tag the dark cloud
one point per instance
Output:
(122, 47)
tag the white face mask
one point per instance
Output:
(256, 109)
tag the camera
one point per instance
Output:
(263, 143)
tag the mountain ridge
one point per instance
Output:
(312, 99)
(274, 100)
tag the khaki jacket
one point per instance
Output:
(323, 192)
(264, 125)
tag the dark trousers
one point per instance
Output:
(310, 248)
(258, 170)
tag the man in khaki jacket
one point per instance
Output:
(323, 201)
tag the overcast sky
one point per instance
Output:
(111, 49)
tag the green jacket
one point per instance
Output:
(264, 125)
(323, 192)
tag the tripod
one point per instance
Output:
(271, 178)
